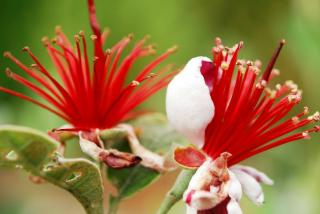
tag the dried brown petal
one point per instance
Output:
(116, 159)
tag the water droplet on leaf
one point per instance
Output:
(12, 156)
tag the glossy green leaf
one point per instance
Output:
(155, 134)
(36, 153)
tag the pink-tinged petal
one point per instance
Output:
(259, 176)
(250, 186)
(188, 103)
(233, 207)
(189, 157)
(207, 69)
(235, 189)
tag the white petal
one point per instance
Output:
(235, 189)
(233, 207)
(259, 176)
(203, 200)
(188, 103)
(197, 194)
(191, 210)
(202, 177)
(250, 186)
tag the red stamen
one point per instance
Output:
(8, 91)
(88, 96)
(245, 122)
(273, 60)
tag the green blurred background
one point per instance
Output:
(192, 25)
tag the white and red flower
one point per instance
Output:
(226, 110)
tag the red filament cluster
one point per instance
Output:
(91, 93)
(249, 116)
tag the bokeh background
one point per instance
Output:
(191, 24)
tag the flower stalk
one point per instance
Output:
(176, 192)
(113, 205)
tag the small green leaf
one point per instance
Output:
(155, 134)
(36, 153)
(130, 180)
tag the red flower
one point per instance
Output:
(245, 116)
(248, 115)
(88, 96)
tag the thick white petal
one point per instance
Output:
(201, 194)
(188, 103)
(202, 177)
(191, 210)
(235, 189)
(250, 186)
(203, 200)
(233, 207)
(259, 176)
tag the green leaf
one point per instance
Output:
(155, 134)
(36, 153)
